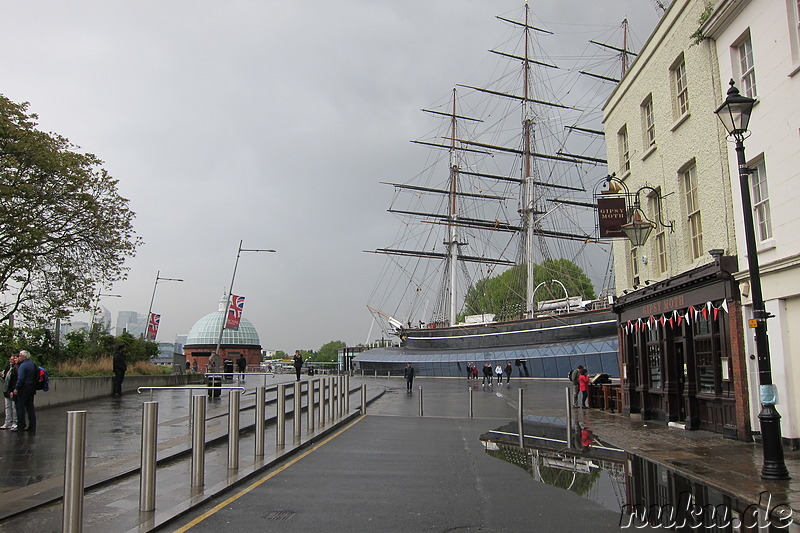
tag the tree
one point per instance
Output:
(64, 228)
(504, 294)
(328, 352)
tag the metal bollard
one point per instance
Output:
(389, 375)
(363, 399)
(568, 395)
(311, 401)
(322, 404)
(147, 475)
(281, 428)
(198, 441)
(339, 396)
(74, 464)
(332, 399)
(234, 401)
(261, 394)
(420, 400)
(347, 394)
(519, 420)
(297, 417)
(376, 374)
(470, 401)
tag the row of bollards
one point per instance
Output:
(334, 402)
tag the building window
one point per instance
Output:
(624, 150)
(793, 12)
(648, 123)
(634, 266)
(761, 213)
(654, 358)
(661, 234)
(694, 221)
(681, 90)
(747, 71)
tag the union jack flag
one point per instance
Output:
(235, 309)
(152, 326)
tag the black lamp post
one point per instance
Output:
(735, 116)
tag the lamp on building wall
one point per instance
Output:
(637, 227)
(734, 114)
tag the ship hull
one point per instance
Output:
(540, 347)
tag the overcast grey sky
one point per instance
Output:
(270, 121)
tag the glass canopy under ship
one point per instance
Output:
(554, 360)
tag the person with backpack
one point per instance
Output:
(24, 392)
(508, 371)
(408, 373)
(241, 363)
(9, 383)
(573, 377)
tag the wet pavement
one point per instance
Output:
(34, 463)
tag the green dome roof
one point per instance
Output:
(206, 331)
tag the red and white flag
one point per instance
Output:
(235, 309)
(152, 326)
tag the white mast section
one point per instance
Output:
(452, 244)
(529, 204)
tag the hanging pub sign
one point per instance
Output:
(612, 214)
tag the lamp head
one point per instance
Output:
(734, 113)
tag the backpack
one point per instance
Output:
(41, 380)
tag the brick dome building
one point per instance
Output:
(203, 336)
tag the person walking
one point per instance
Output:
(24, 391)
(499, 371)
(573, 377)
(298, 363)
(469, 371)
(120, 367)
(487, 374)
(408, 373)
(508, 372)
(9, 384)
(242, 364)
(583, 385)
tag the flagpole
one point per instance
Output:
(152, 299)
(230, 290)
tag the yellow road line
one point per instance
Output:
(269, 476)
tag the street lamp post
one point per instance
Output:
(230, 291)
(735, 116)
(152, 299)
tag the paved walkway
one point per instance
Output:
(443, 445)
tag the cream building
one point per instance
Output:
(678, 304)
(758, 46)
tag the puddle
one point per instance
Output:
(642, 492)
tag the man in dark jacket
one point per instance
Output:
(120, 367)
(408, 373)
(298, 363)
(242, 364)
(24, 392)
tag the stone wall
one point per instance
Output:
(70, 390)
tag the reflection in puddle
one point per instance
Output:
(643, 492)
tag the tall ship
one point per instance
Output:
(499, 230)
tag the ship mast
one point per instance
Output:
(452, 242)
(528, 206)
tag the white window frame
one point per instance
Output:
(793, 18)
(759, 192)
(624, 150)
(745, 66)
(680, 85)
(662, 264)
(694, 221)
(634, 257)
(648, 122)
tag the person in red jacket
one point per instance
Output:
(583, 386)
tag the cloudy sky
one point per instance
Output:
(267, 121)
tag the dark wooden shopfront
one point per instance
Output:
(681, 351)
